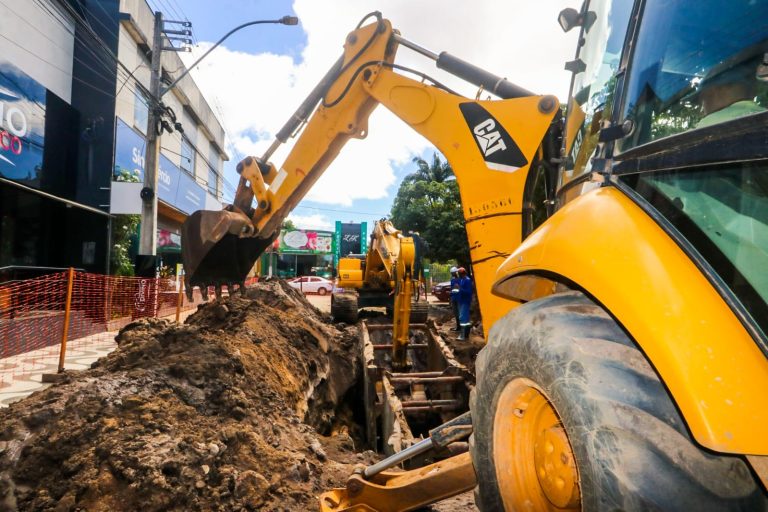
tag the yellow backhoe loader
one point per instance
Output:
(620, 256)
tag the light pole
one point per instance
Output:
(147, 238)
(285, 20)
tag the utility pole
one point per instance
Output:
(158, 121)
(148, 237)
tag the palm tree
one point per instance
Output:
(438, 171)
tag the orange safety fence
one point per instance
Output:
(32, 318)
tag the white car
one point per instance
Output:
(312, 284)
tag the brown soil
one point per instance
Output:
(235, 410)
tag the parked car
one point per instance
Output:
(442, 291)
(312, 284)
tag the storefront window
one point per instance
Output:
(213, 175)
(140, 111)
(696, 64)
(187, 156)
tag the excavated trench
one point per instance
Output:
(254, 403)
(403, 404)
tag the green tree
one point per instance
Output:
(428, 202)
(125, 229)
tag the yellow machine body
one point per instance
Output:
(714, 370)
(600, 241)
(350, 273)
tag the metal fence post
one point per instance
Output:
(65, 330)
(180, 300)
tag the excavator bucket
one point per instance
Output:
(214, 253)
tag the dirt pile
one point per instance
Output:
(225, 412)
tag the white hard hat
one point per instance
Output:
(454, 270)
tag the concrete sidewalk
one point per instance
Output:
(22, 375)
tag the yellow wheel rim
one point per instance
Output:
(534, 462)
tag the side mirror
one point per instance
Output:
(570, 18)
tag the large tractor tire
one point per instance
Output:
(419, 312)
(569, 415)
(344, 307)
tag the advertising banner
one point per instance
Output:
(174, 186)
(22, 126)
(302, 241)
(190, 196)
(167, 180)
(130, 148)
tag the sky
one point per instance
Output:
(260, 75)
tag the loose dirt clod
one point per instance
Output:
(235, 410)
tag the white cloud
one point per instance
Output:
(312, 221)
(257, 93)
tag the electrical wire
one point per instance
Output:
(121, 70)
(108, 51)
(108, 65)
(343, 211)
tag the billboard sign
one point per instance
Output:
(130, 148)
(350, 238)
(303, 241)
(22, 126)
(174, 186)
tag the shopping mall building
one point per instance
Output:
(73, 119)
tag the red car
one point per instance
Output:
(442, 291)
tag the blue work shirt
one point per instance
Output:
(455, 289)
(465, 290)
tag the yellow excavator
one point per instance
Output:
(619, 253)
(388, 274)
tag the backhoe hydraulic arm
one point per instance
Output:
(490, 145)
(374, 489)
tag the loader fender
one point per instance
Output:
(606, 245)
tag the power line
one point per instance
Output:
(107, 65)
(108, 51)
(343, 211)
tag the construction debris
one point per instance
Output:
(235, 410)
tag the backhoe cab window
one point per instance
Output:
(591, 98)
(723, 212)
(695, 64)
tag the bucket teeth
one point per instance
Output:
(231, 289)
(217, 290)
(204, 292)
(243, 291)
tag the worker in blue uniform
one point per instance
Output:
(465, 300)
(455, 297)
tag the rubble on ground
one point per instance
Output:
(234, 410)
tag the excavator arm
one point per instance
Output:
(490, 145)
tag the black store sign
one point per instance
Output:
(350, 239)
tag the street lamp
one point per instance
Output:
(285, 20)
(147, 237)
